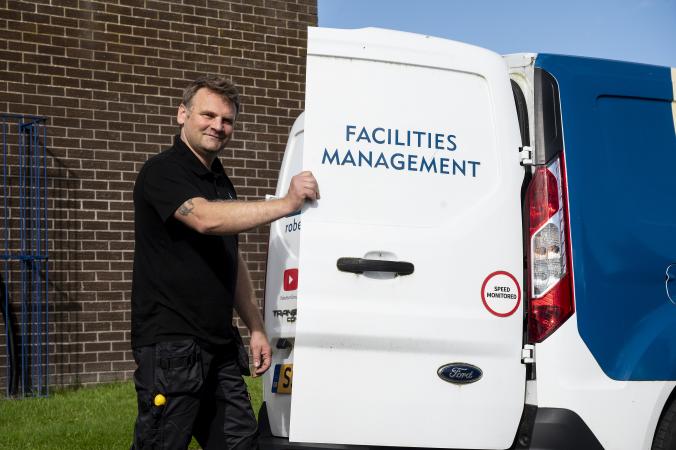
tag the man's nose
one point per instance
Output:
(217, 123)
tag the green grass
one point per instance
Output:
(100, 417)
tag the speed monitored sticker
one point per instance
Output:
(501, 293)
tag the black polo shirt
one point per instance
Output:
(184, 281)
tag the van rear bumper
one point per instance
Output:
(540, 429)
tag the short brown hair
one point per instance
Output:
(221, 86)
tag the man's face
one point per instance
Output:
(208, 123)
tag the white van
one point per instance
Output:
(490, 265)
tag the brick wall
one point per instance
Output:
(109, 75)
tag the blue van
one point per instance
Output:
(491, 262)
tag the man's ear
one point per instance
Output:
(182, 114)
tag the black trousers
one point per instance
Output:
(205, 396)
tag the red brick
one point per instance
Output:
(110, 79)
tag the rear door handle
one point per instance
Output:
(361, 265)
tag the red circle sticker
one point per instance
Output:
(501, 293)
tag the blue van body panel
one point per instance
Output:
(620, 153)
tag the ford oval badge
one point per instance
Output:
(459, 373)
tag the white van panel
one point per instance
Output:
(623, 415)
(366, 344)
(281, 284)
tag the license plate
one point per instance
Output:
(281, 380)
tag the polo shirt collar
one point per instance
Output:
(193, 162)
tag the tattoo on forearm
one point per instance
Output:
(186, 208)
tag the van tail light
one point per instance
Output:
(549, 263)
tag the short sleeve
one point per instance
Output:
(166, 186)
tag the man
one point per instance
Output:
(188, 276)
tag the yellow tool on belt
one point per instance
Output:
(159, 400)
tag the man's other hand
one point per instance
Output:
(261, 352)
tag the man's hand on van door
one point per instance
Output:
(302, 187)
(261, 352)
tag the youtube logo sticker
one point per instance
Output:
(291, 279)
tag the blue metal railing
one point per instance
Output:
(26, 254)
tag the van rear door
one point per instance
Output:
(409, 329)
